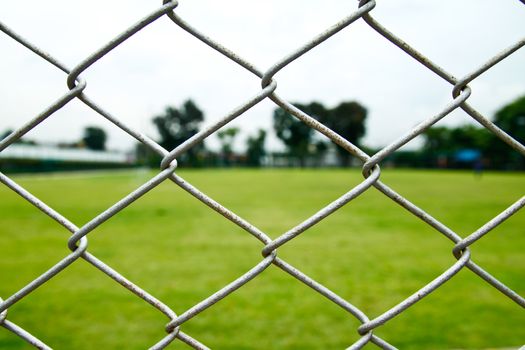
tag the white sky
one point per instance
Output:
(163, 65)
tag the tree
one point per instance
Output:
(347, 119)
(227, 138)
(443, 144)
(437, 140)
(255, 148)
(94, 138)
(470, 136)
(293, 133)
(177, 125)
(5, 134)
(510, 118)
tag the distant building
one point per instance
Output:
(29, 158)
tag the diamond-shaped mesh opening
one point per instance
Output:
(203, 250)
(369, 240)
(285, 201)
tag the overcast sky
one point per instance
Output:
(163, 65)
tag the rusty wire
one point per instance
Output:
(78, 241)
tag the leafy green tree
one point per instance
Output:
(436, 147)
(94, 138)
(442, 139)
(227, 138)
(437, 140)
(295, 135)
(470, 136)
(443, 143)
(176, 126)
(255, 150)
(348, 120)
(510, 118)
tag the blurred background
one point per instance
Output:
(148, 83)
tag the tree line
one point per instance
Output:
(464, 146)
(175, 125)
(471, 146)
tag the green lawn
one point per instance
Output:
(371, 252)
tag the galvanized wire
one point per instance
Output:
(78, 241)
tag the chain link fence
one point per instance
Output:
(78, 241)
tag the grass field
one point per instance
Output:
(371, 252)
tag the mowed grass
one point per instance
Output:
(372, 252)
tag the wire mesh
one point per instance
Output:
(78, 241)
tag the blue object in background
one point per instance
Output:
(467, 155)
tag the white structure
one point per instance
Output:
(64, 154)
